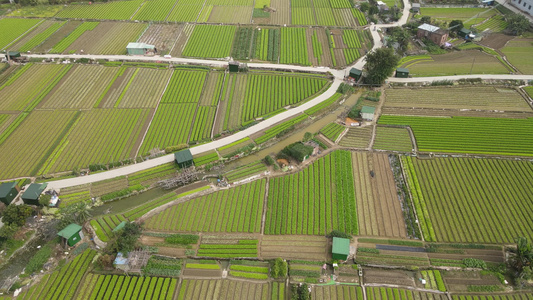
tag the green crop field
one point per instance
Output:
(394, 139)
(13, 29)
(229, 249)
(495, 24)
(382, 293)
(471, 200)
(228, 290)
(116, 10)
(516, 296)
(125, 287)
(156, 10)
(518, 53)
(475, 15)
(332, 131)
(357, 137)
(305, 203)
(73, 36)
(210, 41)
(235, 210)
(266, 44)
(293, 46)
(335, 292)
(474, 98)
(41, 37)
(469, 134)
(62, 283)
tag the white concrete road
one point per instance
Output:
(338, 74)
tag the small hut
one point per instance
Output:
(367, 113)
(140, 48)
(415, 7)
(355, 73)
(234, 66)
(8, 192)
(184, 158)
(71, 235)
(340, 249)
(402, 73)
(33, 192)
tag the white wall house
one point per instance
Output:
(523, 5)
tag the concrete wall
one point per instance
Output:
(523, 5)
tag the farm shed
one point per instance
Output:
(12, 54)
(432, 33)
(355, 73)
(139, 48)
(402, 73)
(465, 33)
(415, 7)
(367, 113)
(234, 66)
(340, 249)
(32, 194)
(120, 226)
(183, 158)
(121, 262)
(8, 192)
(71, 235)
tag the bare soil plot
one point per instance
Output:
(231, 14)
(145, 89)
(378, 207)
(458, 281)
(358, 137)
(396, 277)
(294, 247)
(282, 15)
(496, 40)
(223, 289)
(182, 40)
(163, 37)
(57, 37)
(458, 98)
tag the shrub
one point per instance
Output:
(368, 250)
(171, 149)
(279, 268)
(339, 234)
(39, 259)
(182, 239)
(474, 263)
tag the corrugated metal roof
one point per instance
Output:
(428, 27)
(139, 46)
(368, 110)
(6, 187)
(403, 70)
(69, 231)
(183, 156)
(355, 71)
(341, 246)
(34, 191)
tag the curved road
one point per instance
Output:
(338, 78)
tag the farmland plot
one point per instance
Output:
(393, 139)
(469, 134)
(25, 150)
(266, 44)
(223, 289)
(185, 34)
(125, 287)
(294, 247)
(145, 89)
(81, 89)
(186, 11)
(293, 46)
(88, 142)
(163, 37)
(282, 14)
(471, 200)
(381, 293)
(474, 98)
(378, 207)
(117, 10)
(231, 14)
(154, 10)
(15, 29)
(65, 38)
(334, 292)
(235, 210)
(232, 103)
(210, 41)
(474, 15)
(29, 85)
(107, 38)
(325, 206)
(517, 52)
(357, 138)
(36, 36)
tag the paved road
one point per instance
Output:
(338, 74)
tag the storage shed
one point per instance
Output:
(415, 7)
(355, 73)
(465, 33)
(183, 158)
(340, 249)
(8, 192)
(71, 235)
(402, 73)
(234, 66)
(139, 48)
(12, 54)
(367, 113)
(33, 192)
(120, 226)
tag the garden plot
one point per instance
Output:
(394, 277)
(317, 42)
(335, 292)
(29, 85)
(367, 255)
(452, 257)
(163, 37)
(305, 203)
(80, 89)
(26, 149)
(358, 137)
(266, 44)
(223, 290)
(228, 247)
(107, 38)
(294, 247)
(185, 34)
(249, 269)
(458, 63)
(472, 98)
(489, 191)
(202, 268)
(378, 207)
(235, 210)
(231, 103)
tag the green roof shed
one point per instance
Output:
(464, 32)
(120, 226)
(33, 192)
(367, 113)
(402, 73)
(183, 158)
(139, 48)
(355, 73)
(71, 234)
(234, 66)
(8, 192)
(340, 249)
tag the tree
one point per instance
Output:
(300, 292)
(380, 64)
(44, 200)
(400, 36)
(524, 254)
(8, 231)
(425, 19)
(298, 151)
(456, 25)
(127, 238)
(517, 24)
(279, 268)
(364, 6)
(17, 214)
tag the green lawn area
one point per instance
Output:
(463, 14)
(519, 53)
(456, 63)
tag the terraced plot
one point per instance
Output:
(471, 200)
